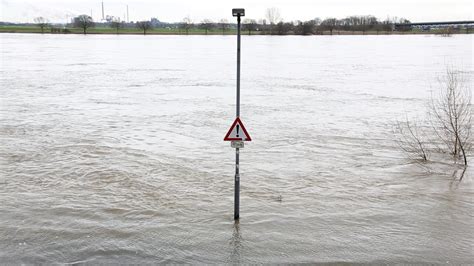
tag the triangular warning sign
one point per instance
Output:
(237, 132)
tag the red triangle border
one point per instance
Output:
(237, 120)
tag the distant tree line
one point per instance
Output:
(272, 24)
(318, 26)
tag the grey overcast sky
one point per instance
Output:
(176, 10)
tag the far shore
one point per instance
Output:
(194, 31)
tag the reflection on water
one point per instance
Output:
(115, 152)
(235, 244)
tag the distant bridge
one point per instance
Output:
(469, 23)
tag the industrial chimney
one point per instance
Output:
(103, 17)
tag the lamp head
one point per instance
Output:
(238, 12)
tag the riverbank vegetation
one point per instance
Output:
(272, 24)
(122, 28)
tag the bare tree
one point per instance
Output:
(116, 24)
(42, 23)
(186, 24)
(249, 25)
(451, 113)
(403, 27)
(144, 26)
(329, 24)
(84, 22)
(224, 25)
(207, 25)
(273, 15)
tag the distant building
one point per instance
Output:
(109, 19)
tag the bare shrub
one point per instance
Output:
(451, 114)
(450, 117)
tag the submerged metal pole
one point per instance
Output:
(237, 142)
(237, 186)
(237, 114)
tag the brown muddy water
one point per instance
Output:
(111, 151)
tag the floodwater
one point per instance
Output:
(111, 150)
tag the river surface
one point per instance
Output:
(111, 150)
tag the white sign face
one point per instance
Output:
(237, 132)
(237, 144)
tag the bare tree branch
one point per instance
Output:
(412, 140)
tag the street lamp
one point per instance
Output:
(237, 12)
